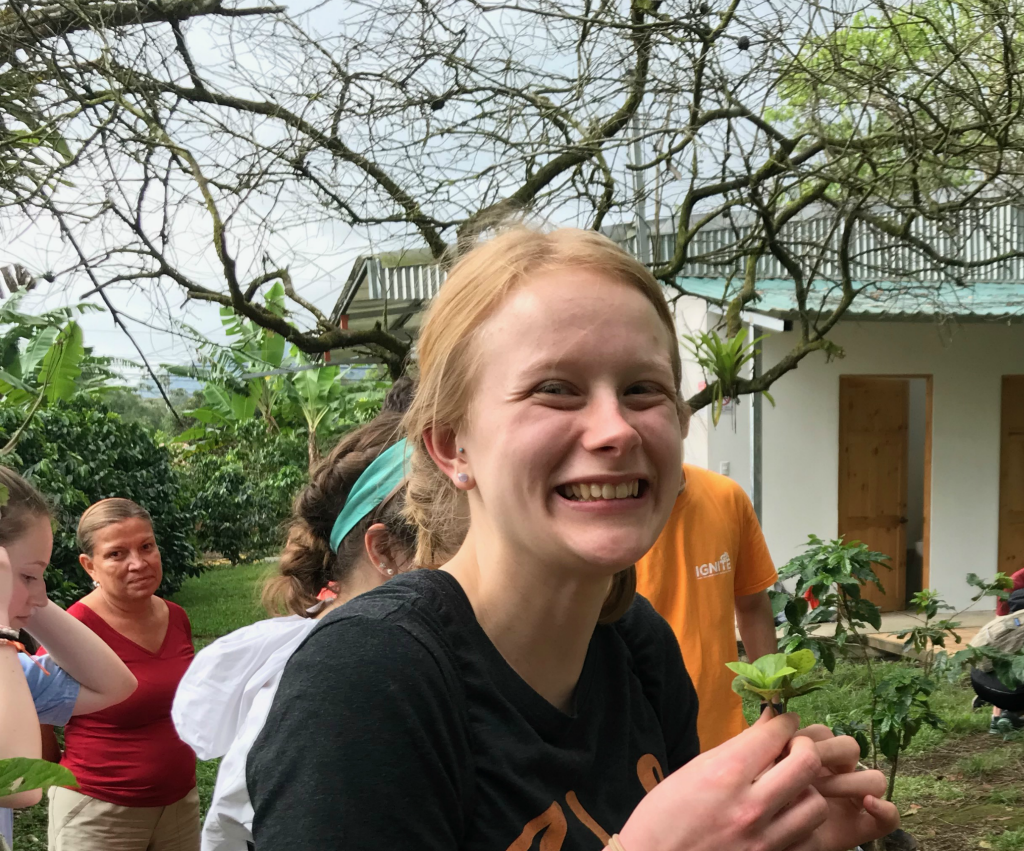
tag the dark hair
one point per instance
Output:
(24, 504)
(307, 564)
(400, 396)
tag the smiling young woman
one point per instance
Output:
(520, 696)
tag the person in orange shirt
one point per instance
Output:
(708, 572)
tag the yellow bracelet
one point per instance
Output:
(614, 844)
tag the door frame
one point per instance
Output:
(929, 379)
(1003, 451)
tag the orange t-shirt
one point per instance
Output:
(710, 552)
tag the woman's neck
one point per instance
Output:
(116, 607)
(539, 619)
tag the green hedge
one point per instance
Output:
(241, 491)
(77, 453)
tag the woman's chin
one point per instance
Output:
(611, 556)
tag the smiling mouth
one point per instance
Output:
(583, 492)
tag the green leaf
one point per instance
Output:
(773, 666)
(60, 367)
(745, 669)
(24, 775)
(272, 348)
(37, 349)
(802, 661)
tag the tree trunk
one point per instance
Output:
(314, 451)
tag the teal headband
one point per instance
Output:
(376, 484)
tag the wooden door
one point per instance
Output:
(873, 420)
(1011, 477)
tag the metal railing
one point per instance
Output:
(980, 235)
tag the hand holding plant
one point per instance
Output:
(774, 677)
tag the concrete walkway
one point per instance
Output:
(886, 641)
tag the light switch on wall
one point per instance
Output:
(723, 468)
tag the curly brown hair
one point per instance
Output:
(307, 563)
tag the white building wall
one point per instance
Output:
(801, 437)
(691, 318)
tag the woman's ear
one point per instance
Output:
(87, 565)
(440, 443)
(378, 548)
(443, 447)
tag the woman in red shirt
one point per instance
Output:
(137, 779)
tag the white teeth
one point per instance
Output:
(587, 492)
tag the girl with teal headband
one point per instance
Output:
(345, 537)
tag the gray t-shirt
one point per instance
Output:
(55, 697)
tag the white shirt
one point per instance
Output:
(220, 707)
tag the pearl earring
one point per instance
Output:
(389, 571)
(462, 450)
(463, 477)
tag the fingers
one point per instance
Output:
(789, 778)
(796, 826)
(816, 733)
(854, 784)
(878, 818)
(839, 754)
(757, 748)
(884, 813)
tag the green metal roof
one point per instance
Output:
(777, 297)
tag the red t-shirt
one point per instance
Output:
(130, 754)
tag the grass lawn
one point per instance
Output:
(219, 601)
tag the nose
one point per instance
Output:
(38, 597)
(607, 427)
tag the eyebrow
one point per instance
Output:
(550, 364)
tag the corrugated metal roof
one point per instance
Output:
(902, 300)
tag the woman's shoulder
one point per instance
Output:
(648, 638)
(414, 615)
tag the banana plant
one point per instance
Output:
(723, 359)
(47, 370)
(773, 677)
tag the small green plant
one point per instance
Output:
(723, 359)
(984, 764)
(773, 677)
(830, 577)
(1006, 797)
(1010, 840)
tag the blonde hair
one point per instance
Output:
(24, 504)
(475, 288)
(105, 513)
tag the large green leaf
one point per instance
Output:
(243, 408)
(272, 348)
(60, 367)
(37, 348)
(24, 775)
